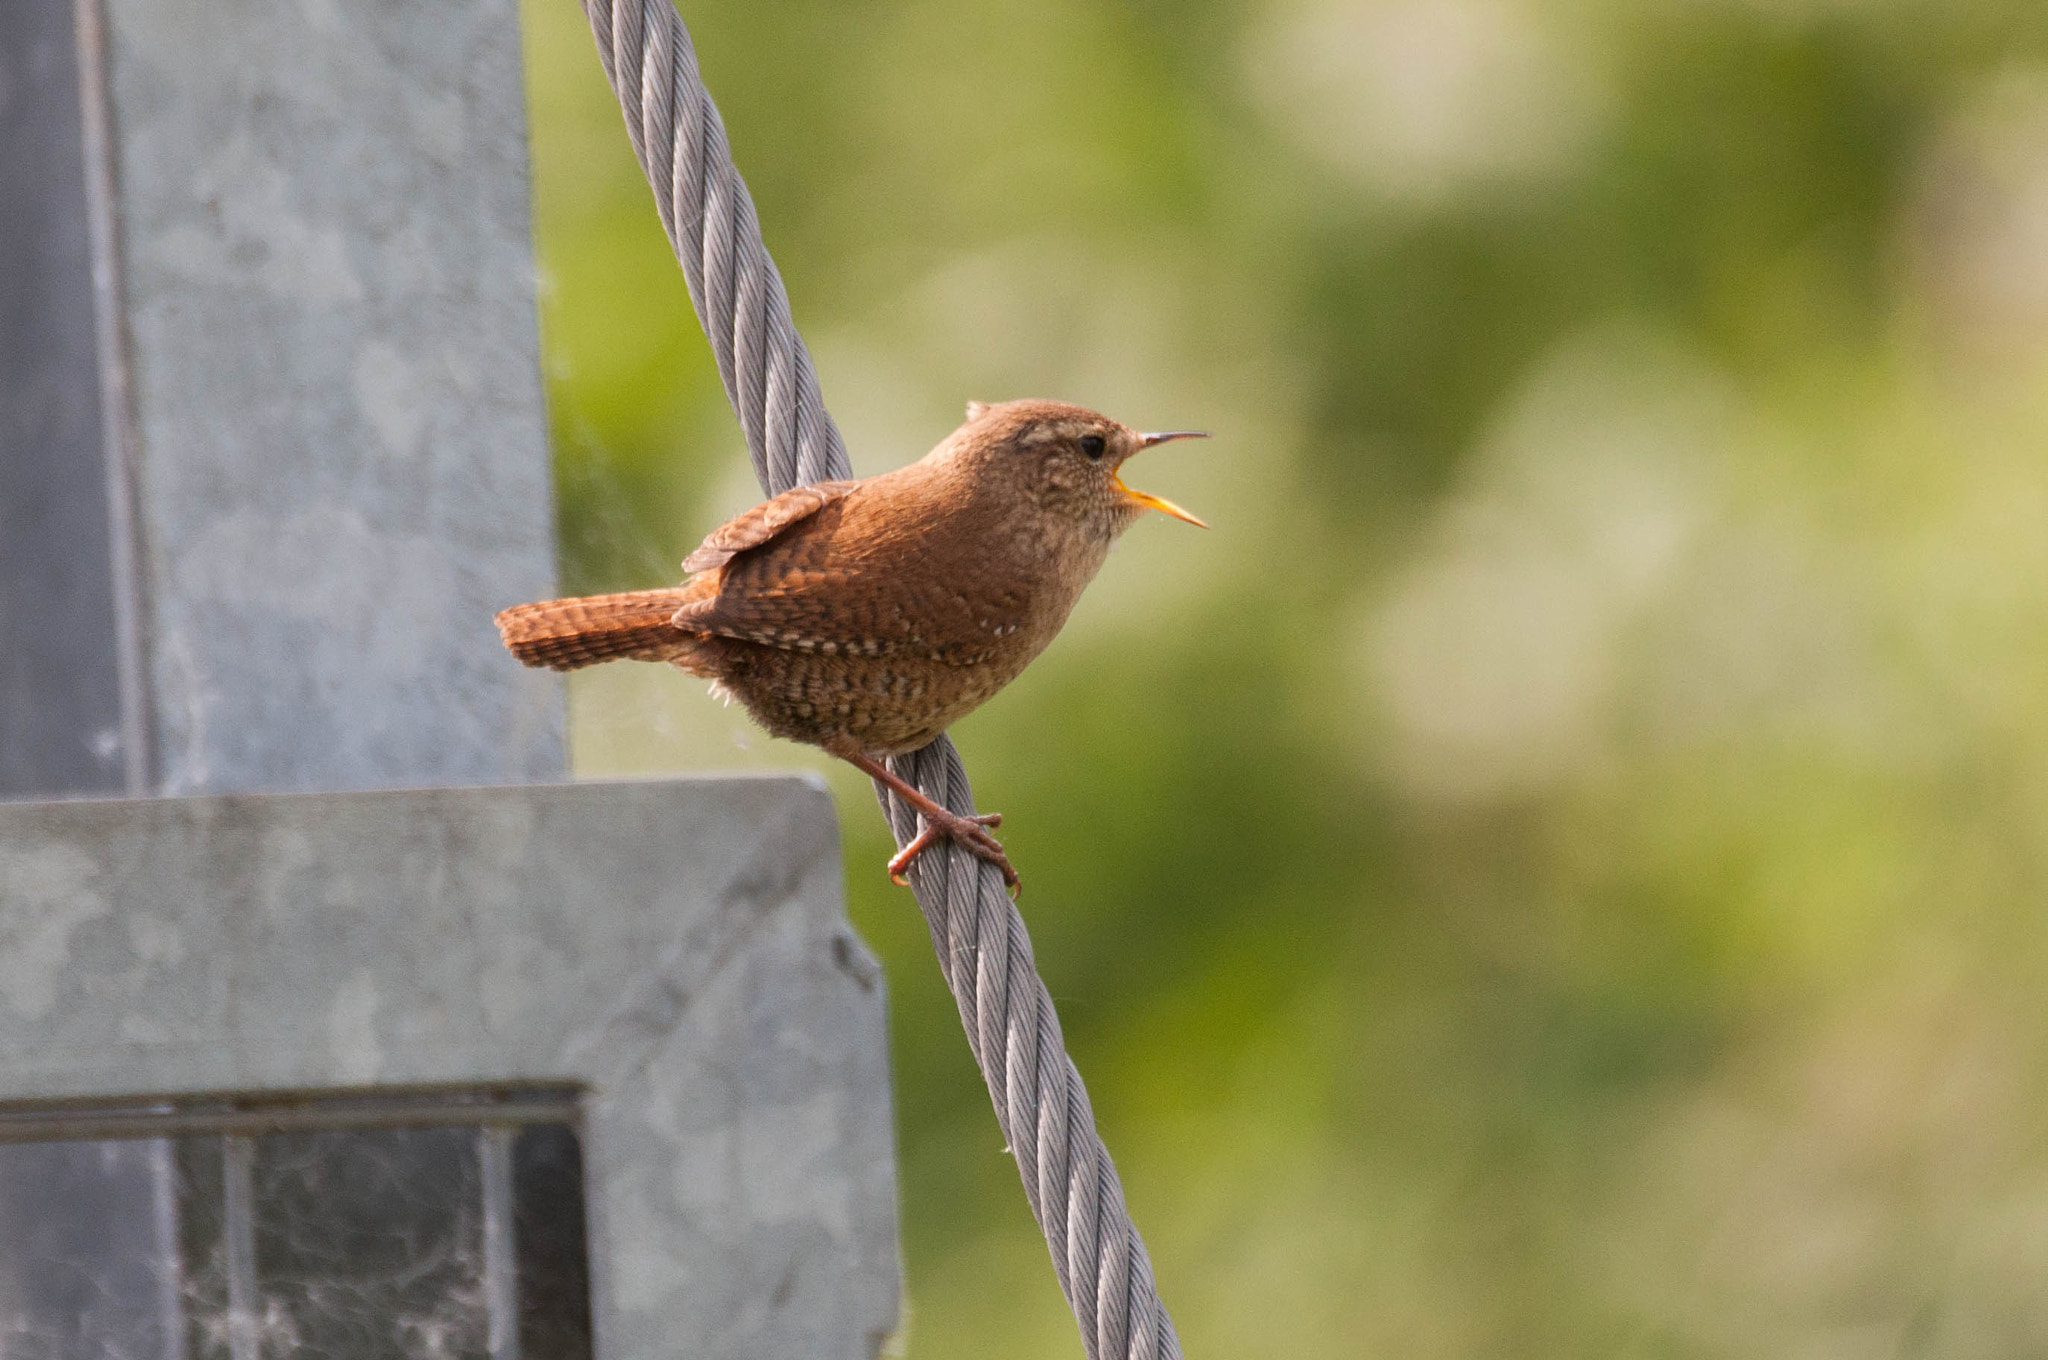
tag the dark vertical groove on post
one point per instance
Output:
(170, 1255)
(60, 710)
(501, 1259)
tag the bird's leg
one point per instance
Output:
(939, 822)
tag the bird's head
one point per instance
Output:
(1063, 459)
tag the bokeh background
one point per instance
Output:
(1560, 869)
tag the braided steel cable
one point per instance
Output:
(982, 945)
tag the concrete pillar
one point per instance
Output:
(272, 452)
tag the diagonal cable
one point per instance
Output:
(982, 945)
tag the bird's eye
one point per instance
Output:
(1092, 445)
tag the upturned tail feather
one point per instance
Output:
(565, 635)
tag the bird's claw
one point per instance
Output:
(969, 832)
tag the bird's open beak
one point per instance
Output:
(1146, 498)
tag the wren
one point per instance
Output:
(866, 617)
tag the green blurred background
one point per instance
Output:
(1559, 870)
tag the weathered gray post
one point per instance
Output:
(272, 450)
(313, 380)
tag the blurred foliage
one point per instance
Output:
(1560, 869)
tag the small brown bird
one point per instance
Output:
(866, 617)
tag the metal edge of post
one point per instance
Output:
(118, 435)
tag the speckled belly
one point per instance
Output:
(886, 705)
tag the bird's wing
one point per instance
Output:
(846, 583)
(752, 528)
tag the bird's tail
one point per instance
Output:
(565, 635)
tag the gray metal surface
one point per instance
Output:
(340, 443)
(275, 452)
(676, 947)
(60, 714)
(88, 1247)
